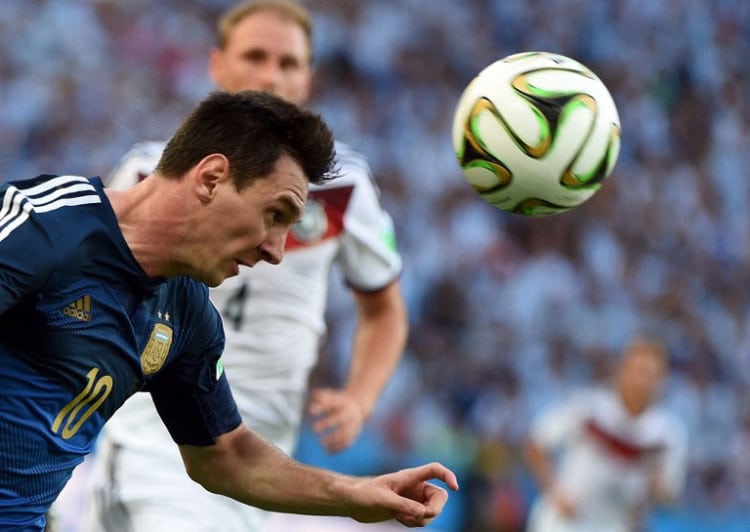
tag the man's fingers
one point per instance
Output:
(331, 440)
(413, 500)
(434, 501)
(435, 498)
(330, 421)
(335, 441)
(408, 508)
(323, 400)
(435, 471)
(336, 420)
(410, 520)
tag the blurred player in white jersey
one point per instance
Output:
(603, 455)
(274, 317)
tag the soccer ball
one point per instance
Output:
(536, 133)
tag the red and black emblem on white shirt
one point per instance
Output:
(323, 217)
(617, 445)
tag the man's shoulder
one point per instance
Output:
(352, 169)
(52, 186)
(185, 287)
(148, 148)
(184, 300)
(592, 393)
(347, 153)
(146, 152)
(46, 198)
(136, 164)
(663, 417)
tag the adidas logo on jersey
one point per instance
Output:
(79, 309)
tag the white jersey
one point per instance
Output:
(607, 458)
(274, 323)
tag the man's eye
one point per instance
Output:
(289, 65)
(254, 56)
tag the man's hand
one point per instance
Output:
(563, 504)
(338, 418)
(405, 495)
(659, 490)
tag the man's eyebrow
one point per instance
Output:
(294, 208)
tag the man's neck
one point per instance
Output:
(149, 215)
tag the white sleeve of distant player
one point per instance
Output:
(139, 162)
(674, 469)
(559, 423)
(368, 255)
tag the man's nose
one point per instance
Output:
(272, 249)
(269, 75)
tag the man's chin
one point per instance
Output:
(216, 280)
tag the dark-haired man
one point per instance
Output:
(102, 295)
(274, 316)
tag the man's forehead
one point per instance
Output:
(290, 181)
(294, 204)
(254, 25)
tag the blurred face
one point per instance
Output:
(640, 376)
(265, 51)
(246, 227)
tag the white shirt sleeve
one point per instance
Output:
(674, 467)
(557, 425)
(368, 255)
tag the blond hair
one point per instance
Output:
(649, 345)
(290, 9)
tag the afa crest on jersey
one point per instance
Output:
(157, 349)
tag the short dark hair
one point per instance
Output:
(252, 129)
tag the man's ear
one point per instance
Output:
(210, 172)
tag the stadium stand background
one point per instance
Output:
(507, 313)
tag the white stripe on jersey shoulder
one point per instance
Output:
(62, 191)
(59, 181)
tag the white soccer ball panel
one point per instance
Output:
(481, 177)
(536, 133)
(497, 141)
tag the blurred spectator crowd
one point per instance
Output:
(507, 313)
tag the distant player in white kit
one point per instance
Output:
(618, 451)
(274, 317)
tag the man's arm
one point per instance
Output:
(31, 249)
(243, 466)
(668, 479)
(378, 344)
(539, 464)
(542, 470)
(551, 432)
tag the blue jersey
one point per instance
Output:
(83, 327)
